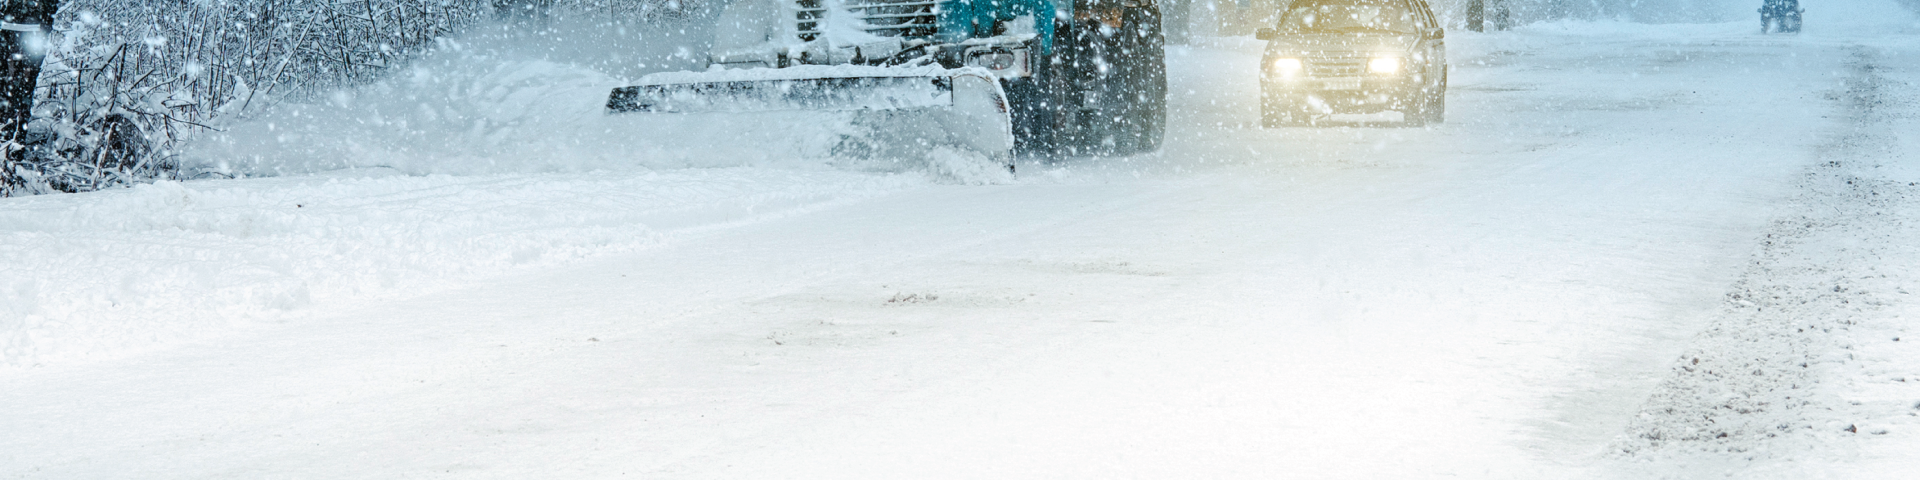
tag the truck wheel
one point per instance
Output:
(1136, 81)
(1150, 56)
(1032, 110)
(1110, 85)
(1077, 88)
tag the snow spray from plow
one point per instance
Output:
(898, 113)
(467, 113)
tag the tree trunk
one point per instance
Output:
(525, 12)
(1477, 15)
(1502, 17)
(23, 42)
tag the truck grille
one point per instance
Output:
(886, 18)
(807, 16)
(1336, 67)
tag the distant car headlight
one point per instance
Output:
(1288, 67)
(1384, 65)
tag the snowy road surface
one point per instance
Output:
(1633, 251)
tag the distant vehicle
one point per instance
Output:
(1780, 16)
(1354, 56)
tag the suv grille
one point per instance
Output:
(886, 18)
(1336, 67)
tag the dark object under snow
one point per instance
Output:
(1780, 16)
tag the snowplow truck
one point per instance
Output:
(1032, 78)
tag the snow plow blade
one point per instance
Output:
(906, 107)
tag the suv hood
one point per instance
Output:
(1337, 43)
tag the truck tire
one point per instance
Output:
(1108, 86)
(1150, 54)
(1032, 109)
(1140, 48)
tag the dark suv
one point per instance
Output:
(1354, 56)
(1781, 16)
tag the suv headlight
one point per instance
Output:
(1287, 67)
(1384, 65)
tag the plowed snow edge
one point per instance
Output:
(1768, 389)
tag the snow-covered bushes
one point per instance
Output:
(126, 81)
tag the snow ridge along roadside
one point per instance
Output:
(1763, 391)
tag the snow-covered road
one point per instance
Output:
(1526, 291)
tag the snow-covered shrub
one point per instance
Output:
(126, 81)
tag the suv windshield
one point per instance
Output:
(1348, 16)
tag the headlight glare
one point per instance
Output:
(1288, 67)
(1384, 65)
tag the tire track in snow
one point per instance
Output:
(1759, 391)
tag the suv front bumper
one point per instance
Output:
(1358, 94)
